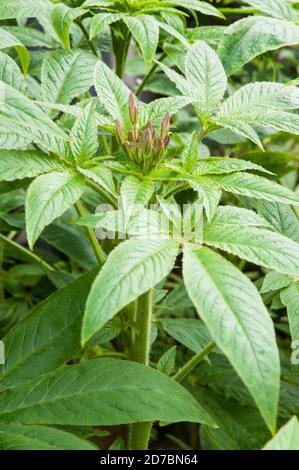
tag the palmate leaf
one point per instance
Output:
(49, 336)
(48, 197)
(257, 245)
(287, 437)
(100, 392)
(84, 143)
(250, 37)
(66, 75)
(62, 18)
(206, 76)
(145, 31)
(19, 437)
(112, 92)
(19, 164)
(8, 40)
(131, 269)
(24, 8)
(238, 322)
(278, 9)
(290, 298)
(21, 115)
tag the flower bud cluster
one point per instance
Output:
(145, 148)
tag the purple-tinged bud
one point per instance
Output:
(166, 141)
(133, 109)
(120, 130)
(148, 140)
(131, 136)
(150, 126)
(165, 125)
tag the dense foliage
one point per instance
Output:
(149, 245)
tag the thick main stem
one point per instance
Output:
(140, 432)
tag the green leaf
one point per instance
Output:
(249, 185)
(48, 337)
(100, 174)
(113, 93)
(173, 32)
(11, 74)
(278, 9)
(66, 75)
(19, 437)
(219, 165)
(19, 164)
(166, 362)
(279, 163)
(62, 18)
(206, 76)
(100, 392)
(70, 241)
(48, 197)
(230, 215)
(101, 21)
(135, 194)
(261, 104)
(8, 40)
(24, 8)
(275, 281)
(236, 317)
(190, 153)
(23, 117)
(210, 193)
(202, 7)
(250, 37)
(235, 431)
(191, 333)
(130, 270)
(180, 82)
(156, 110)
(287, 437)
(281, 217)
(84, 143)
(145, 30)
(257, 245)
(290, 298)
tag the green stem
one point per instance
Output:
(104, 194)
(91, 235)
(190, 365)
(121, 49)
(27, 252)
(89, 42)
(140, 432)
(148, 76)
